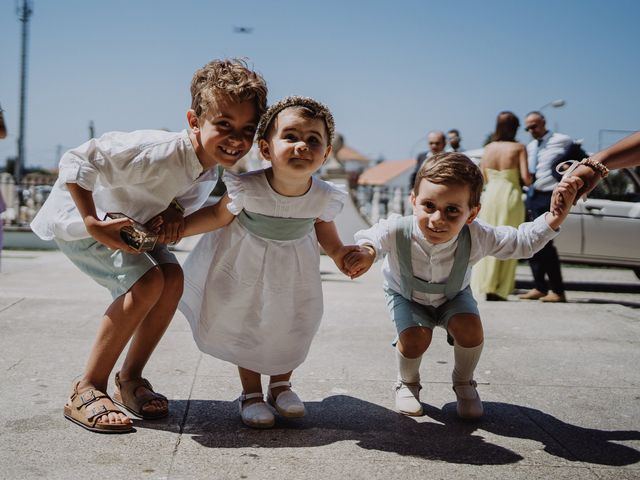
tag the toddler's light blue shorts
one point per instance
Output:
(406, 313)
(115, 270)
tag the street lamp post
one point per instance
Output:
(23, 15)
(554, 103)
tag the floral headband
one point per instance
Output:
(296, 101)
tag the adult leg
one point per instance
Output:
(538, 269)
(554, 270)
(117, 326)
(537, 204)
(151, 330)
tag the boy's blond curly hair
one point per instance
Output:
(452, 168)
(227, 79)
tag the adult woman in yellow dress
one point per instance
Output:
(504, 166)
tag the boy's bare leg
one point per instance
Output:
(116, 328)
(283, 377)
(414, 341)
(251, 383)
(151, 329)
(466, 329)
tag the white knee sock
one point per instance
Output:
(466, 360)
(408, 368)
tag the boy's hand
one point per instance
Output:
(107, 232)
(169, 227)
(359, 261)
(563, 197)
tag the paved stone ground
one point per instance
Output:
(561, 387)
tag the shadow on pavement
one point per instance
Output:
(524, 285)
(216, 424)
(607, 301)
(604, 287)
(571, 442)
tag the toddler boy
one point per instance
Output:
(427, 266)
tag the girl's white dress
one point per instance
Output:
(252, 301)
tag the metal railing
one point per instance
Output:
(379, 201)
(22, 201)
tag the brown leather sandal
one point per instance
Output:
(87, 407)
(126, 397)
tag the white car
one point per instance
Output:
(605, 228)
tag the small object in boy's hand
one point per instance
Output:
(137, 236)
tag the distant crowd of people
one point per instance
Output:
(438, 142)
(508, 166)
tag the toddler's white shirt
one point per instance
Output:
(135, 173)
(433, 263)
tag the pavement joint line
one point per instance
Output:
(13, 304)
(184, 417)
(14, 365)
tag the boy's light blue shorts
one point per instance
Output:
(406, 314)
(115, 270)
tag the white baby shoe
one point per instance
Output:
(287, 404)
(469, 405)
(256, 415)
(408, 398)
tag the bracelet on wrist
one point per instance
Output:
(175, 204)
(597, 167)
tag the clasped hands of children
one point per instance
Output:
(355, 260)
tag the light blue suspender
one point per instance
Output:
(275, 228)
(410, 282)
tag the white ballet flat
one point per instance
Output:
(256, 415)
(408, 398)
(468, 401)
(287, 404)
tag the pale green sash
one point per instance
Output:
(410, 282)
(275, 228)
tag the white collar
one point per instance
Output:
(192, 159)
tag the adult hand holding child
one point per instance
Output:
(564, 195)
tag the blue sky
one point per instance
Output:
(390, 71)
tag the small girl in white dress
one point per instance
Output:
(253, 293)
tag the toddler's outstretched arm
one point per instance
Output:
(208, 218)
(329, 239)
(359, 262)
